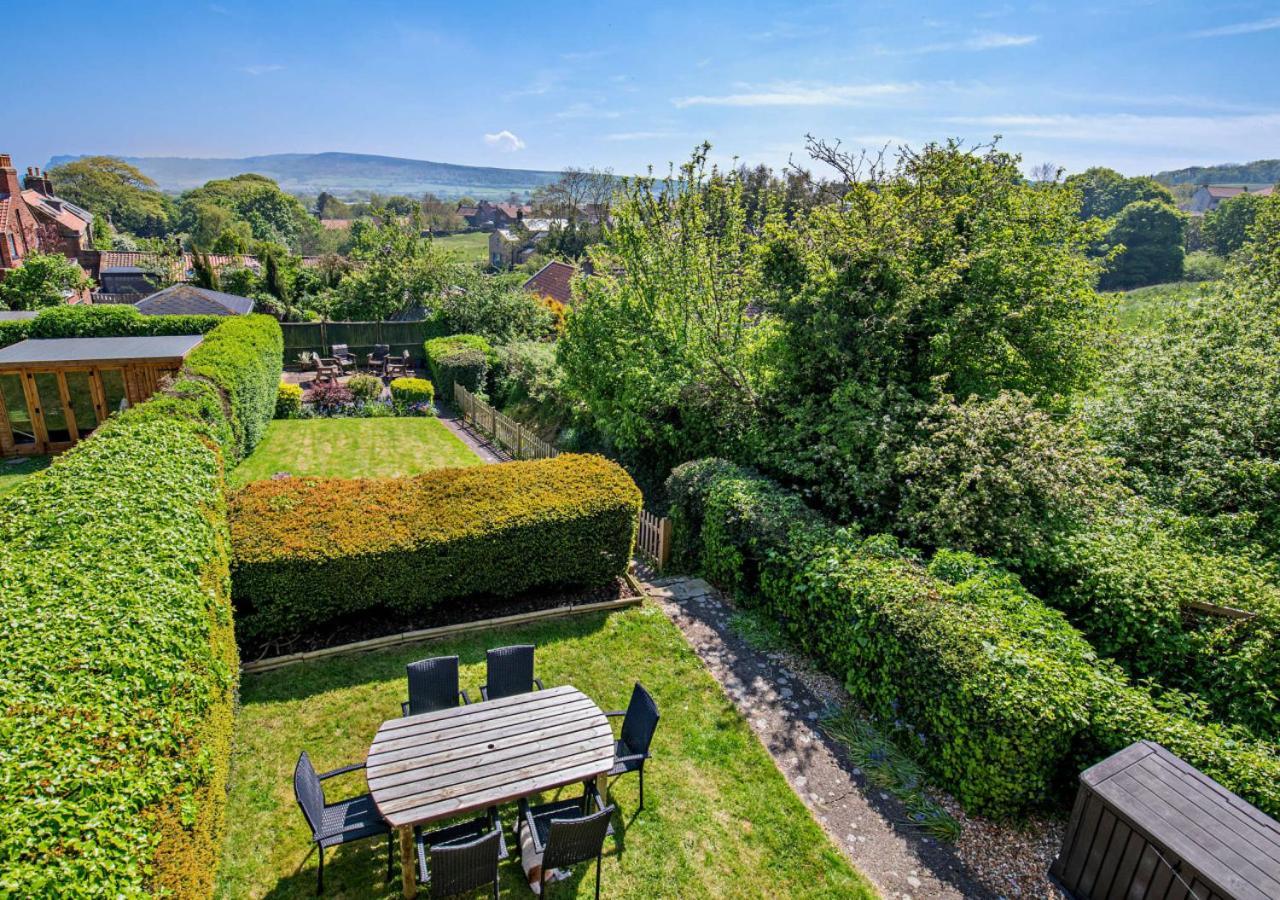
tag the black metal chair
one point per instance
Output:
(344, 356)
(378, 358)
(336, 823)
(461, 858)
(566, 833)
(639, 723)
(509, 671)
(433, 685)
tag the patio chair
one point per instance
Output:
(639, 723)
(344, 356)
(327, 369)
(433, 685)
(509, 671)
(378, 358)
(396, 366)
(566, 833)
(461, 858)
(336, 823)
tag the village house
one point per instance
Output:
(1208, 196)
(554, 280)
(485, 215)
(33, 220)
(510, 246)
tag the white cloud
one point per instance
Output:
(985, 40)
(1240, 28)
(261, 69)
(504, 140)
(800, 94)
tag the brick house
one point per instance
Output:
(1209, 196)
(72, 224)
(508, 247)
(19, 228)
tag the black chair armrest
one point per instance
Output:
(538, 682)
(616, 712)
(404, 708)
(634, 757)
(343, 771)
(466, 701)
(484, 692)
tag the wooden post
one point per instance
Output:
(519, 442)
(664, 542)
(408, 866)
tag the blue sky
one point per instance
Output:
(1139, 86)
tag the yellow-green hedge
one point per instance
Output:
(307, 550)
(119, 658)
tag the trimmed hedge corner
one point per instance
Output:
(1000, 697)
(308, 550)
(120, 658)
(106, 320)
(460, 358)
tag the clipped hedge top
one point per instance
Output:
(373, 516)
(438, 348)
(108, 320)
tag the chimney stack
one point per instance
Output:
(38, 181)
(8, 176)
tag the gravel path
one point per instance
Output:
(783, 700)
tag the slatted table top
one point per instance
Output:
(446, 763)
(1232, 845)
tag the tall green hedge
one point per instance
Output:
(460, 358)
(120, 662)
(1000, 697)
(107, 320)
(308, 550)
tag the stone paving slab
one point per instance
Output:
(903, 863)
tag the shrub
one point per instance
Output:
(412, 543)
(288, 401)
(461, 358)
(120, 660)
(413, 396)
(998, 693)
(331, 398)
(1001, 478)
(1203, 265)
(365, 388)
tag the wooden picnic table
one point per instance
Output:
(454, 761)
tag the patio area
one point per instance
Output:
(719, 820)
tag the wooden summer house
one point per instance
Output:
(55, 392)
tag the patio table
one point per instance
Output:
(443, 764)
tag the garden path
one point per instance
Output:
(480, 445)
(784, 707)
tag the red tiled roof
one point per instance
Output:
(63, 216)
(553, 281)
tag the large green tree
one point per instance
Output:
(1105, 192)
(270, 213)
(661, 348)
(1153, 235)
(111, 187)
(1227, 228)
(941, 272)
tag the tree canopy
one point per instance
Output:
(111, 187)
(1105, 192)
(43, 279)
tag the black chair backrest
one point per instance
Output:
(307, 790)
(458, 868)
(641, 720)
(571, 841)
(340, 350)
(433, 684)
(381, 350)
(509, 671)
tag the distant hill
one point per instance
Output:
(343, 174)
(1263, 171)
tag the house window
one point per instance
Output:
(13, 248)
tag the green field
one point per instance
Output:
(14, 471)
(719, 818)
(353, 448)
(1143, 310)
(474, 245)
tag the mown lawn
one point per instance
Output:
(14, 471)
(473, 245)
(353, 448)
(719, 820)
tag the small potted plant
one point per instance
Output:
(305, 359)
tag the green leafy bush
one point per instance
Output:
(106, 320)
(365, 388)
(1203, 265)
(310, 550)
(412, 395)
(460, 358)
(243, 357)
(288, 401)
(998, 695)
(120, 659)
